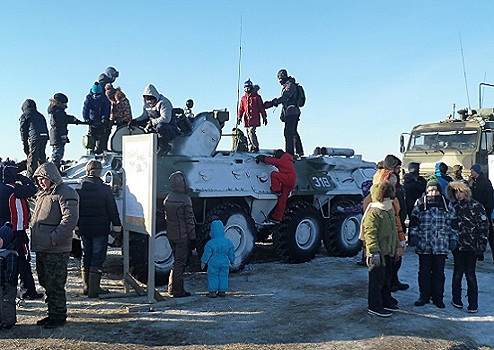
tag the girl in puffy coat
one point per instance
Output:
(219, 254)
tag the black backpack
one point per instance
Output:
(300, 96)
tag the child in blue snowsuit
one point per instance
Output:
(8, 277)
(219, 253)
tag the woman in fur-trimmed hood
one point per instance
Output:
(473, 228)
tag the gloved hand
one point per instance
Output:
(452, 244)
(265, 121)
(480, 256)
(192, 244)
(260, 158)
(149, 127)
(274, 102)
(374, 260)
(267, 104)
(26, 148)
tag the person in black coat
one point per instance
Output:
(58, 122)
(414, 186)
(482, 192)
(34, 135)
(98, 217)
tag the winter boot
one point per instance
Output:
(94, 283)
(85, 280)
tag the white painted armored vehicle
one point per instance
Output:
(232, 186)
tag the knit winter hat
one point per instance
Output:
(477, 168)
(414, 167)
(6, 234)
(248, 84)
(94, 168)
(391, 162)
(282, 74)
(457, 168)
(96, 88)
(433, 182)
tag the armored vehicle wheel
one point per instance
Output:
(298, 237)
(341, 232)
(138, 257)
(239, 228)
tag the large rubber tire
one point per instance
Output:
(341, 232)
(240, 228)
(298, 237)
(138, 257)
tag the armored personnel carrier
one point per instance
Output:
(232, 186)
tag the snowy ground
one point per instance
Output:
(317, 305)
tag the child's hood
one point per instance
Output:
(217, 229)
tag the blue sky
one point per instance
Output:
(370, 69)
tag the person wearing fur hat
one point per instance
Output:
(433, 233)
(15, 191)
(54, 219)
(96, 112)
(58, 126)
(414, 186)
(457, 172)
(181, 232)
(8, 277)
(157, 117)
(34, 135)
(381, 246)
(472, 240)
(282, 181)
(251, 108)
(290, 113)
(483, 193)
(98, 217)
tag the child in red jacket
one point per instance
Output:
(282, 181)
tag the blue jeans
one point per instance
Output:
(95, 249)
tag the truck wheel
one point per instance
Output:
(240, 228)
(341, 233)
(138, 257)
(298, 237)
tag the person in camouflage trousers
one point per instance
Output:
(473, 228)
(55, 216)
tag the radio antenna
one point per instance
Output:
(464, 70)
(237, 138)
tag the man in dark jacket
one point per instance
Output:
(58, 122)
(290, 113)
(98, 216)
(15, 189)
(34, 135)
(483, 193)
(54, 218)
(414, 186)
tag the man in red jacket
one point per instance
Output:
(282, 181)
(251, 108)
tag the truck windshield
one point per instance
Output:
(425, 140)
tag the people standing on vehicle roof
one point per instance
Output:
(96, 112)
(34, 135)
(393, 163)
(483, 193)
(15, 189)
(251, 108)
(414, 186)
(108, 77)
(473, 228)
(440, 173)
(282, 181)
(98, 217)
(158, 117)
(381, 244)
(58, 126)
(180, 230)
(433, 233)
(290, 112)
(120, 114)
(54, 219)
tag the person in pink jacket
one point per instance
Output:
(282, 181)
(251, 108)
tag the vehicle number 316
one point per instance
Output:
(321, 182)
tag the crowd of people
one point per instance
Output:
(446, 215)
